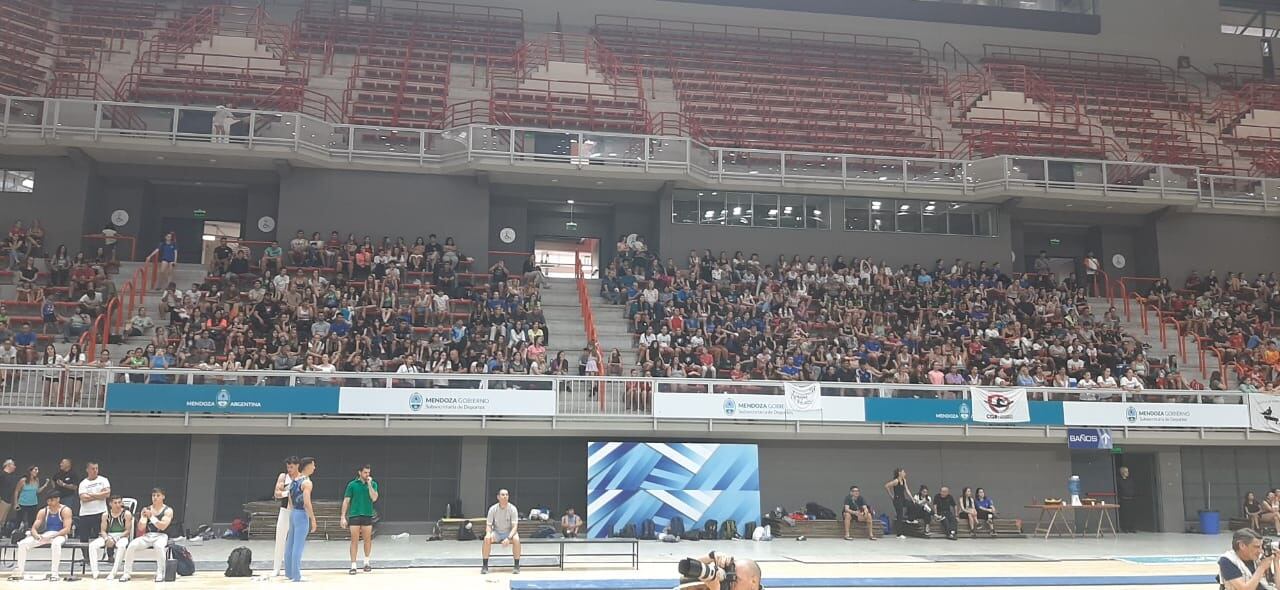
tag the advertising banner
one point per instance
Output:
(220, 399)
(1153, 414)
(634, 483)
(1264, 412)
(1000, 407)
(446, 402)
(741, 406)
(948, 411)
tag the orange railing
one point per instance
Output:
(588, 320)
(1127, 292)
(133, 292)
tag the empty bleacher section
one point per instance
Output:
(1248, 119)
(402, 52)
(1122, 106)
(569, 82)
(25, 43)
(787, 89)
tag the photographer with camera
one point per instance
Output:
(1250, 563)
(719, 572)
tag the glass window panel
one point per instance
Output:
(984, 225)
(960, 218)
(684, 207)
(739, 205)
(766, 210)
(933, 217)
(882, 215)
(791, 214)
(817, 211)
(17, 181)
(711, 209)
(907, 215)
(855, 213)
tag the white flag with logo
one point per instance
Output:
(1000, 407)
(1264, 412)
(803, 397)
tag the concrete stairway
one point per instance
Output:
(1150, 338)
(564, 321)
(612, 328)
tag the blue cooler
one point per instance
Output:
(1209, 522)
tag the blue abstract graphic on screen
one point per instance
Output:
(630, 483)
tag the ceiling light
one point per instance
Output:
(817, 212)
(29, 183)
(737, 210)
(875, 205)
(209, 238)
(884, 178)
(709, 214)
(904, 207)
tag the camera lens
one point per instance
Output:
(696, 570)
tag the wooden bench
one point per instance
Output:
(834, 529)
(263, 515)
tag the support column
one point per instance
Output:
(202, 477)
(1172, 516)
(474, 475)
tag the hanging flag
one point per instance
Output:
(803, 397)
(1000, 407)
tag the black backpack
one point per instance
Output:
(186, 566)
(466, 532)
(240, 563)
(749, 531)
(627, 532)
(677, 526)
(544, 532)
(648, 531)
(729, 530)
(819, 511)
(711, 529)
(694, 535)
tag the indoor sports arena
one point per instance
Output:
(643, 295)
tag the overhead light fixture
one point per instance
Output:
(570, 201)
(28, 183)
(737, 210)
(875, 205)
(209, 238)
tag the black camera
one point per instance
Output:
(1270, 546)
(693, 570)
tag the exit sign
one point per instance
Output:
(199, 213)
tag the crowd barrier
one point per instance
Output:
(121, 390)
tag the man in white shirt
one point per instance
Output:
(94, 490)
(1091, 267)
(500, 527)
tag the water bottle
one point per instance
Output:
(1073, 489)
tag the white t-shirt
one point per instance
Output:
(94, 486)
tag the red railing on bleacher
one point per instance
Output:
(589, 322)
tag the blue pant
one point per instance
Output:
(299, 526)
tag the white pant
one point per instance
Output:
(95, 552)
(157, 541)
(47, 538)
(282, 534)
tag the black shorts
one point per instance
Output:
(359, 521)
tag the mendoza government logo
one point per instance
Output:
(734, 407)
(1160, 415)
(222, 401)
(419, 402)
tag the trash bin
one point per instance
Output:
(1209, 522)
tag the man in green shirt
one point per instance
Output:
(357, 514)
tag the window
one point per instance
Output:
(766, 210)
(907, 215)
(933, 218)
(817, 212)
(911, 216)
(739, 206)
(17, 181)
(855, 214)
(710, 208)
(792, 214)
(684, 207)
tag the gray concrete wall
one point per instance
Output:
(1234, 243)
(58, 199)
(387, 204)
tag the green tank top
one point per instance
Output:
(116, 524)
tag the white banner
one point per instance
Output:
(803, 397)
(1264, 412)
(736, 406)
(1151, 414)
(447, 402)
(1000, 407)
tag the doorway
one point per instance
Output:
(556, 256)
(213, 232)
(188, 235)
(1142, 468)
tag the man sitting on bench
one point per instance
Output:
(51, 527)
(500, 527)
(856, 508)
(155, 519)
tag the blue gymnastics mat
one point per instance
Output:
(948, 582)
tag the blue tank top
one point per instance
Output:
(53, 520)
(168, 252)
(295, 493)
(28, 496)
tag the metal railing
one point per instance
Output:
(147, 126)
(84, 388)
